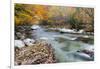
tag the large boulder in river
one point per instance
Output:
(84, 56)
(87, 52)
(40, 53)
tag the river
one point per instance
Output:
(64, 45)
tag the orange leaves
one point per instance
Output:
(33, 14)
(40, 11)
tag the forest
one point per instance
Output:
(69, 17)
(47, 34)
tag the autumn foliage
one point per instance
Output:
(70, 17)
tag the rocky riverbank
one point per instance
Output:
(39, 53)
(35, 45)
(29, 50)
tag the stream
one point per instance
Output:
(64, 45)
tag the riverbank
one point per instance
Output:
(34, 42)
(29, 50)
(39, 53)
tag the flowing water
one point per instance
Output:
(65, 47)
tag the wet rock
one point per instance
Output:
(81, 31)
(29, 42)
(88, 54)
(19, 35)
(22, 32)
(73, 31)
(83, 56)
(66, 30)
(19, 29)
(34, 27)
(19, 43)
(39, 53)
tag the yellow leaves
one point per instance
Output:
(28, 13)
(17, 20)
(23, 14)
(26, 18)
(40, 11)
(23, 18)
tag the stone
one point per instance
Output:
(29, 42)
(40, 53)
(19, 43)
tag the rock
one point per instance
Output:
(22, 32)
(81, 31)
(83, 56)
(19, 43)
(19, 29)
(19, 35)
(90, 48)
(85, 36)
(71, 31)
(34, 27)
(66, 30)
(89, 52)
(39, 53)
(29, 42)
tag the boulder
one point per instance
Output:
(29, 42)
(87, 51)
(83, 56)
(20, 35)
(64, 30)
(19, 43)
(34, 27)
(80, 31)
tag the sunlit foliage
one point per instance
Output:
(69, 17)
